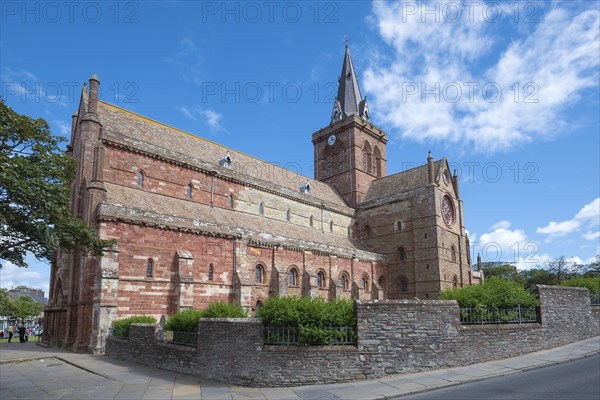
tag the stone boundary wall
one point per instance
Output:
(394, 336)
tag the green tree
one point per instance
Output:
(24, 308)
(34, 192)
(5, 303)
(537, 276)
(508, 272)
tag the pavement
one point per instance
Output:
(30, 371)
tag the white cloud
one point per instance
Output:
(211, 117)
(590, 212)
(64, 129)
(589, 215)
(556, 62)
(589, 235)
(36, 276)
(556, 229)
(501, 224)
(508, 245)
(188, 60)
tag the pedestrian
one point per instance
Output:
(1, 334)
(11, 332)
(21, 333)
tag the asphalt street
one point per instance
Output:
(571, 380)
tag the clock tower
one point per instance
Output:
(350, 152)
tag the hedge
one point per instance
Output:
(121, 326)
(493, 293)
(187, 320)
(312, 317)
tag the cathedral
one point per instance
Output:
(195, 222)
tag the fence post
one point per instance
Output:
(519, 309)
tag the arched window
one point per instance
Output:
(258, 274)
(261, 209)
(311, 221)
(210, 272)
(455, 281)
(140, 179)
(367, 231)
(401, 254)
(288, 215)
(149, 267)
(345, 281)
(403, 284)
(366, 153)
(377, 167)
(453, 253)
(321, 279)
(331, 226)
(366, 283)
(293, 277)
(259, 304)
(188, 191)
(230, 201)
(399, 226)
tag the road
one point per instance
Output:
(576, 380)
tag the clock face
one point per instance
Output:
(448, 210)
(331, 140)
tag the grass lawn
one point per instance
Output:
(15, 339)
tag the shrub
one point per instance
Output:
(219, 309)
(591, 283)
(187, 320)
(296, 311)
(493, 293)
(311, 317)
(121, 326)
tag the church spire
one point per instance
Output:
(348, 100)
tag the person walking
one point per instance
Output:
(21, 333)
(11, 332)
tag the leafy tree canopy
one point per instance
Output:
(34, 192)
(25, 307)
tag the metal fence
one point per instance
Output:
(336, 336)
(180, 338)
(595, 299)
(509, 315)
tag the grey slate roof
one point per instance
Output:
(383, 188)
(138, 131)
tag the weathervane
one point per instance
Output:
(346, 39)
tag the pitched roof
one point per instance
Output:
(136, 205)
(384, 188)
(134, 130)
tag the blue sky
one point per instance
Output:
(507, 91)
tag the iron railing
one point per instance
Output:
(335, 336)
(595, 299)
(508, 315)
(180, 338)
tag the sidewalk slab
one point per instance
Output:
(31, 371)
